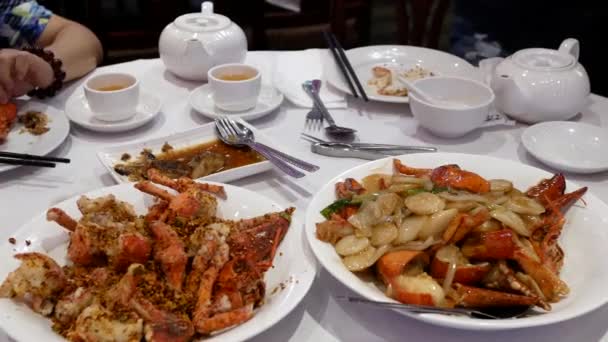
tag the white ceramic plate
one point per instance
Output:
(292, 267)
(77, 109)
(363, 59)
(110, 156)
(201, 99)
(23, 142)
(584, 240)
(568, 146)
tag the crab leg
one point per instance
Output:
(182, 184)
(151, 189)
(61, 218)
(170, 253)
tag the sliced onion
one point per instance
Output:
(500, 185)
(463, 196)
(524, 205)
(401, 179)
(418, 245)
(449, 276)
(511, 220)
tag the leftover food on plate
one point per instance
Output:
(194, 161)
(8, 116)
(384, 79)
(34, 122)
(448, 237)
(176, 273)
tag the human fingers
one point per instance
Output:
(6, 72)
(4, 96)
(21, 88)
(21, 68)
(40, 73)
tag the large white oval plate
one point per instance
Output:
(23, 142)
(292, 274)
(584, 240)
(363, 59)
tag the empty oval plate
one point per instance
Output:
(568, 146)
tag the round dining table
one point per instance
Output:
(26, 192)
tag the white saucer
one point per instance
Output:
(201, 99)
(78, 111)
(568, 146)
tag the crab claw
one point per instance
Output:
(162, 326)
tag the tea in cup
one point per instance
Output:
(112, 97)
(235, 87)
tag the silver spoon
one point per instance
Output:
(312, 88)
(234, 133)
(495, 313)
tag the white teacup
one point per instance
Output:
(112, 97)
(235, 87)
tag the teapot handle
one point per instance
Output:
(207, 7)
(570, 46)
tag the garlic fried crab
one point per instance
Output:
(176, 273)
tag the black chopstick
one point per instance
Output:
(26, 162)
(24, 156)
(334, 52)
(349, 67)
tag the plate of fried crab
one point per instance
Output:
(162, 260)
(468, 232)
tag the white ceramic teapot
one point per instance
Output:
(196, 42)
(536, 84)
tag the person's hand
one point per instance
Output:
(21, 72)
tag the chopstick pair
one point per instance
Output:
(12, 158)
(345, 66)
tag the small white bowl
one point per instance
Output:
(446, 121)
(568, 146)
(109, 104)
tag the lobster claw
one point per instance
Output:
(475, 297)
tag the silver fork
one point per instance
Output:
(314, 119)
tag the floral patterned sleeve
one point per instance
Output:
(21, 22)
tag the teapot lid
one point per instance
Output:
(205, 21)
(543, 59)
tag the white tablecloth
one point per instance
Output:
(26, 192)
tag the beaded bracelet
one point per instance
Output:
(59, 75)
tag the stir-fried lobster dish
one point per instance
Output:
(448, 237)
(177, 273)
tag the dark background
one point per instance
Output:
(129, 29)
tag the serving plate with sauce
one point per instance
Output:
(195, 153)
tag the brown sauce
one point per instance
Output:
(235, 157)
(177, 162)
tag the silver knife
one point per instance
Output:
(346, 152)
